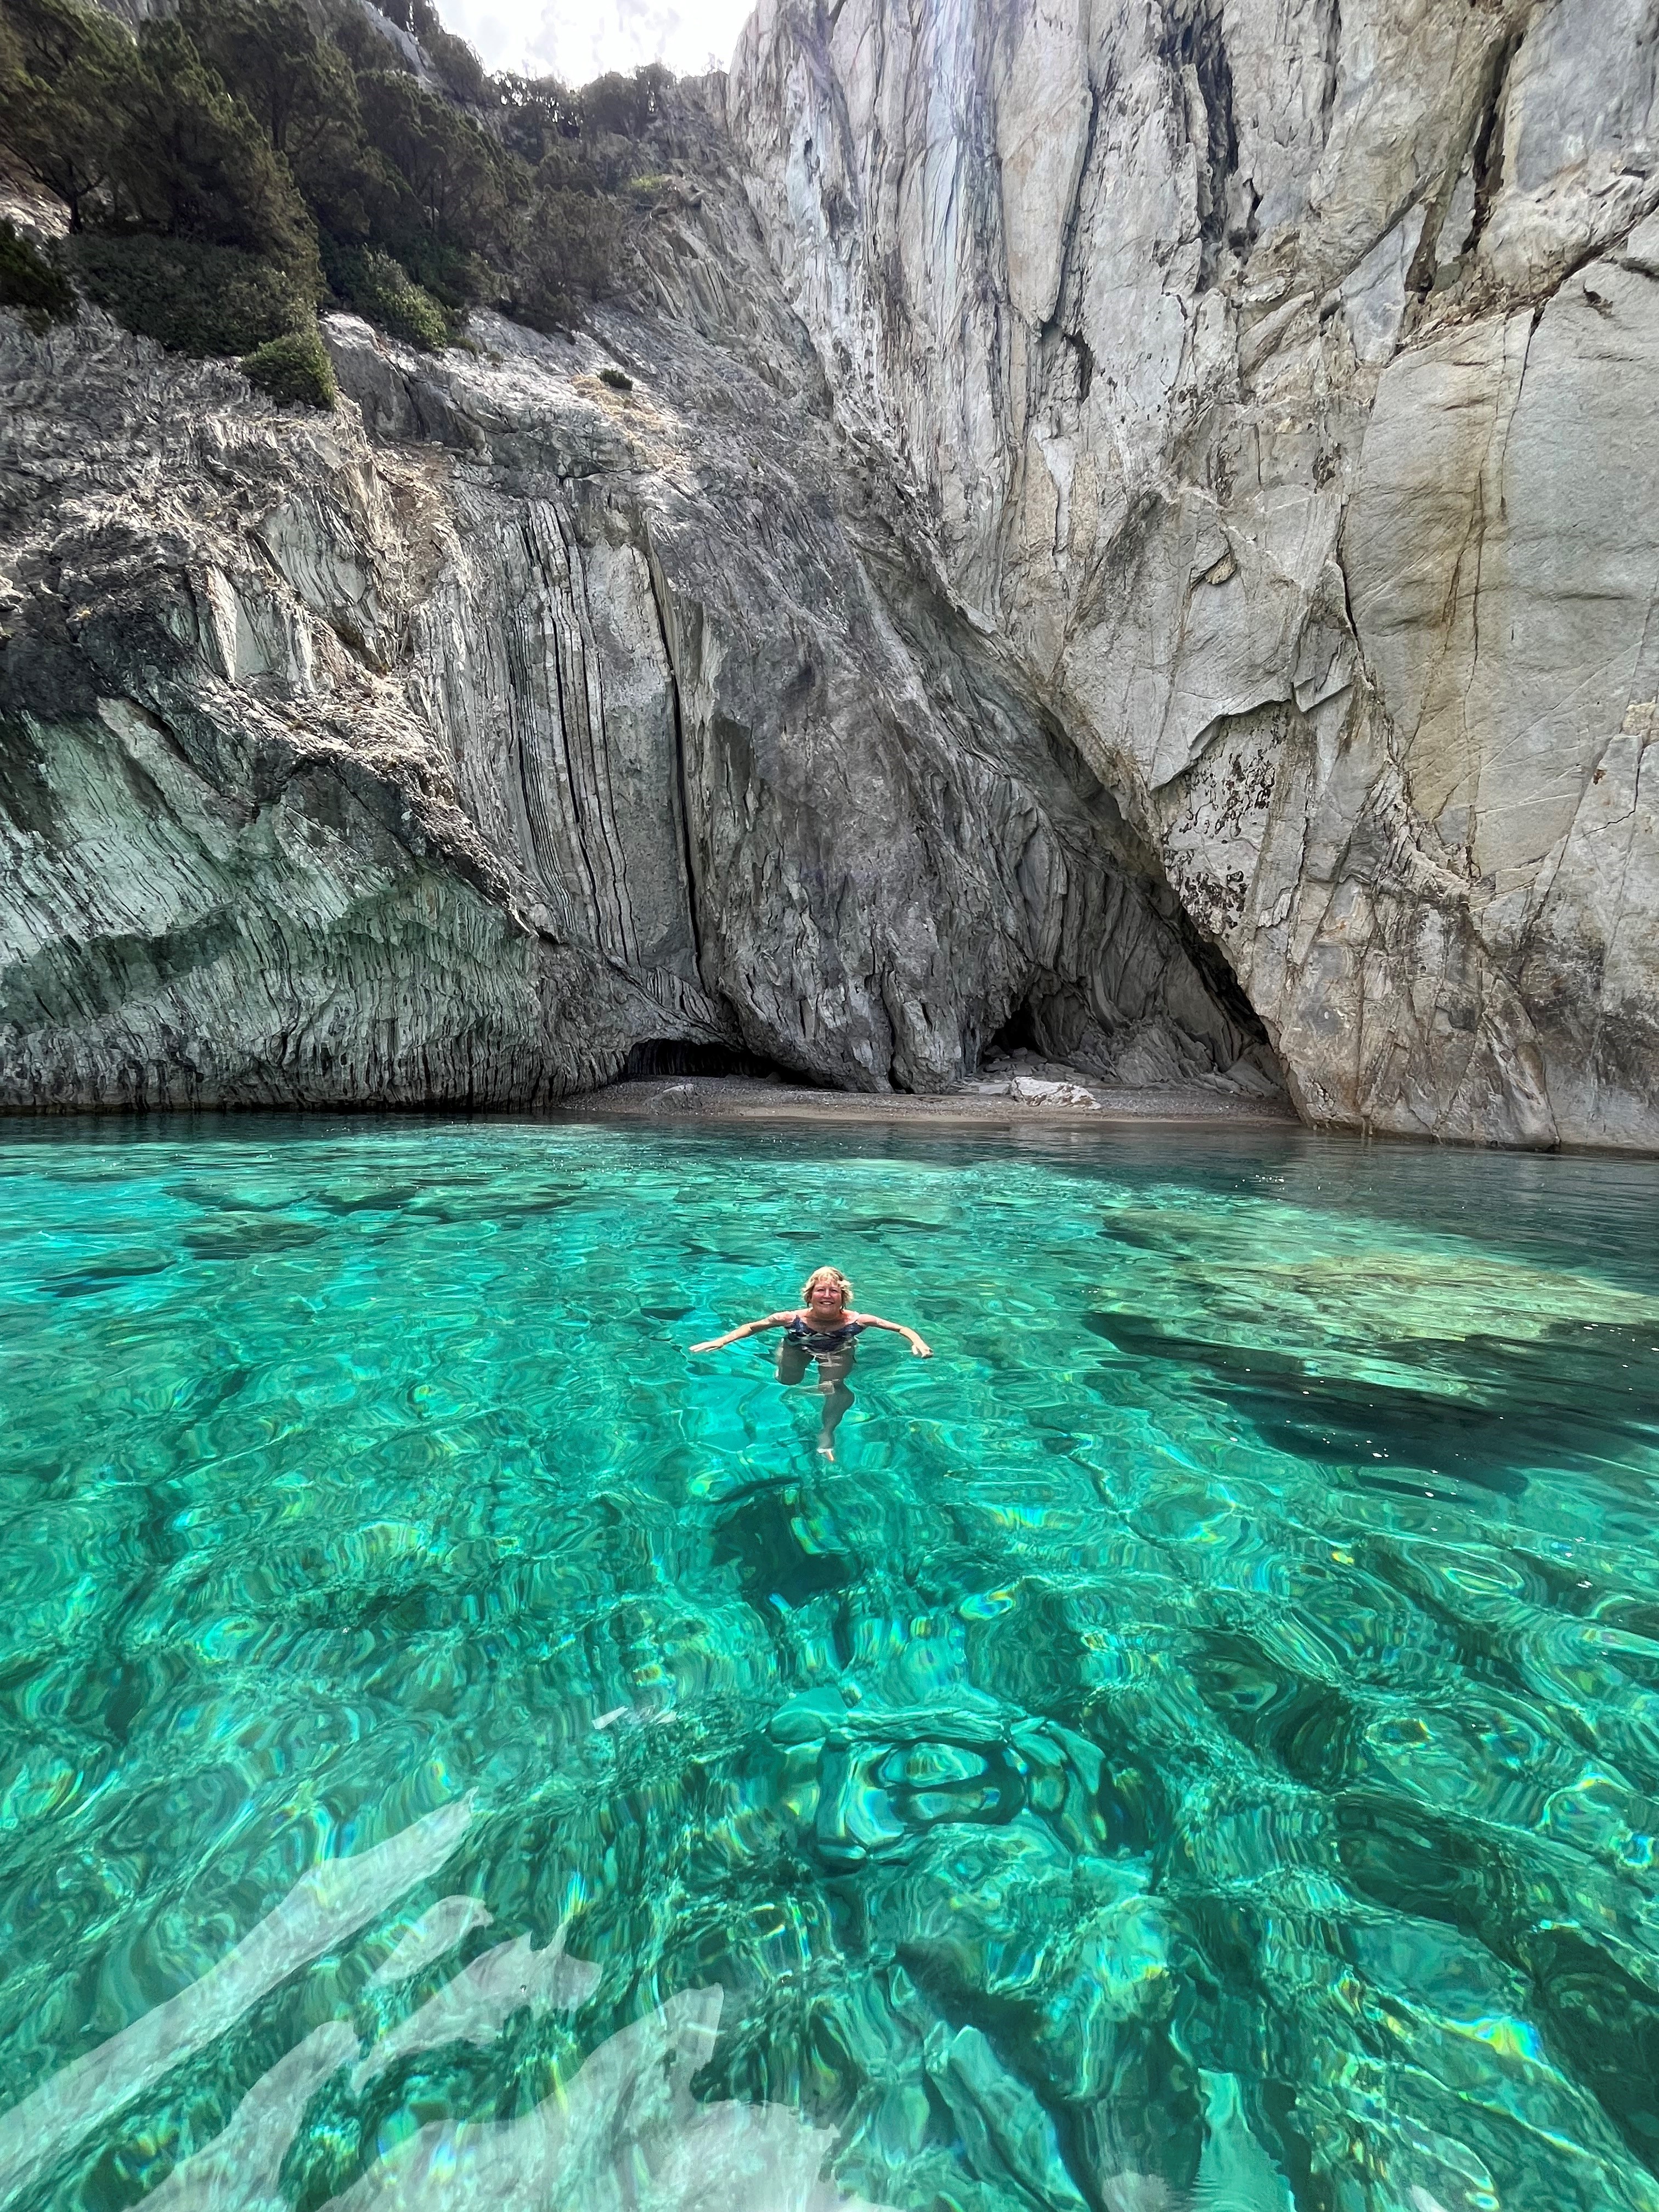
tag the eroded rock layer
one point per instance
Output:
(1277, 383)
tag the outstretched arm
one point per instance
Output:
(875, 1321)
(748, 1328)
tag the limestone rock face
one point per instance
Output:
(1276, 387)
(506, 724)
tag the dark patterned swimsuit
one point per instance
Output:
(821, 1343)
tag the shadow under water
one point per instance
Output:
(1195, 1750)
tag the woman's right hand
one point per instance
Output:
(712, 1345)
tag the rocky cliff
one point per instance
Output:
(1276, 383)
(509, 723)
(1131, 531)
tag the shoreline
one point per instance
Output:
(754, 1098)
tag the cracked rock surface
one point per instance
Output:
(1275, 384)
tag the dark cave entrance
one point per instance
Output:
(1225, 988)
(1018, 1033)
(1038, 1022)
(654, 1057)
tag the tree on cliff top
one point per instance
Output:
(293, 132)
(65, 73)
(192, 161)
(143, 136)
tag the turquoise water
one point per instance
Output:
(1196, 1749)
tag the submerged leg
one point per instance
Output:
(837, 1399)
(832, 1387)
(792, 1362)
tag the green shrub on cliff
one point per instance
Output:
(295, 370)
(30, 283)
(380, 289)
(191, 297)
(569, 244)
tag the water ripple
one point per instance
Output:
(1196, 1750)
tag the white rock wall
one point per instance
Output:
(1277, 385)
(259, 764)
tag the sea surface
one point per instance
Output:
(1194, 1749)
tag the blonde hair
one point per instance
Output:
(826, 1275)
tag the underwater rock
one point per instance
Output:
(328, 1904)
(471, 2005)
(439, 1928)
(624, 2134)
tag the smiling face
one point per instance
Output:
(826, 1293)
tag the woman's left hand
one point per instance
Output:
(919, 1350)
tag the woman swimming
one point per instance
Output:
(824, 1329)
